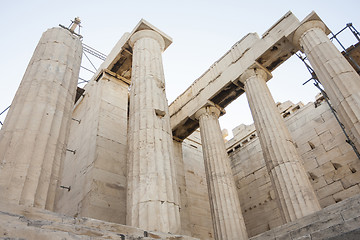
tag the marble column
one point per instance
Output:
(34, 136)
(153, 199)
(294, 193)
(339, 79)
(228, 222)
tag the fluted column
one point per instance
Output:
(340, 80)
(294, 193)
(34, 136)
(153, 202)
(228, 222)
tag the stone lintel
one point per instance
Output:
(270, 52)
(115, 53)
(289, 13)
(105, 73)
(145, 25)
(276, 54)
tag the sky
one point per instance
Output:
(202, 32)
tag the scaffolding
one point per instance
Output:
(350, 52)
(354, 59)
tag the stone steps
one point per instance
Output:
(335, 222)
(20, 222)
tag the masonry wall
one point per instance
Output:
(257, 197)
(96, 172)
(195, 207)
(330, 162)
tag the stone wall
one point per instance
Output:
(195, 207)
(96, 169)
(257, 197)
(330, 162)
(96, 172)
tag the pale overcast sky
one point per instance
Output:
(202, 32)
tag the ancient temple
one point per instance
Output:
(115, 161)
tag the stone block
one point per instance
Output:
(303, 147)
(337, 230)
(257, 229)
(327, 201)
(318, 120)
(35, 224)
(111, 161)
(316, 141)
(350, 213)
(297, 224)
(306, 237)
(354, 166)
(276, 219)
(337, 174)
(284, 236)
(345, 148)
(269, 235)
(352, 223)
(327, 115)
(316, 226)
(333, 142)
(318, 183)
(352, 235)
(323, 169)
(336, 130)
(347, 158)
(314, 153)
(324, 129)
(329, 189)
(328, 156)
(346, 193)
(351, 180)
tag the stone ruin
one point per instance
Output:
(115, 161)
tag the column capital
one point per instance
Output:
(147, 34)
(303, 28)
(208, 110)
(255, 71)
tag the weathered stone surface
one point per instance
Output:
(259, 209)
(96, 172)
(340, 80)
(152, 189)
(294, 193)
(34, 136)
(199, 221)
(352, 235)
(328, 223)
(225, 206)
(220, 83)
(20, 222)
